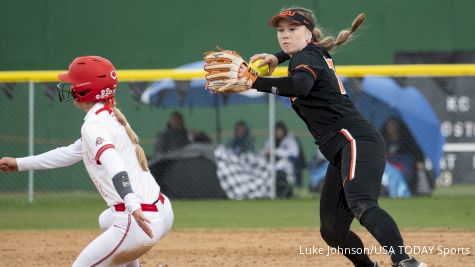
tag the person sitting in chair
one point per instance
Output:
(287, 153)
(405, 155)
(242, 141)
(176, 136)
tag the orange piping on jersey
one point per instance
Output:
(344, 180)
(352, 140)
(342, 88)
(307, 68)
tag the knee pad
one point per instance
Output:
(360, 207)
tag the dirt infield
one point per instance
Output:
(234, 248)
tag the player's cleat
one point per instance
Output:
(411, 262)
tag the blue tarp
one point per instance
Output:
(392, 180)
(382, 98)
(167, 93)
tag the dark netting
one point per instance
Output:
(221, 150)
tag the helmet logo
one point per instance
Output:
(105, 93)
(113, 75)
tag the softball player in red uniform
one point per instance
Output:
(354, 147)
(139, 215)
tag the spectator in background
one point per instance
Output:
(242, 141)
(288, 155)
(174, 137)
(405, 155)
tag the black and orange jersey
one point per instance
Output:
(326, 109)
(317, 94)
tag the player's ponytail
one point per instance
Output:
(328, 41)
(343, 36)
(133, 137)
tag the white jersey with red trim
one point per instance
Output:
(123, 241)
(101, 131)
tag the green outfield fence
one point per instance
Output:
(34, 121)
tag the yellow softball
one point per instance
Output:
(261, 70)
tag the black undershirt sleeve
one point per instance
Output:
(281, 56)
(297, 85)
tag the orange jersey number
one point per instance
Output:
(331, 66)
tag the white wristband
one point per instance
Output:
(132, 203)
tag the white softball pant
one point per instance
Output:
(123, 241)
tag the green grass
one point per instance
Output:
(415, 213)
(457, 190)
(432, 212)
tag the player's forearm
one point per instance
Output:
(122, 185)
(114, 166)
(297, 85)
(56, 158)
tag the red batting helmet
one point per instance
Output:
(92, 78)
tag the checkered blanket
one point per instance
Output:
(243, 176)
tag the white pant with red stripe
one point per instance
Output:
(123, 241)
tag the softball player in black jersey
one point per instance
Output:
(355, 148)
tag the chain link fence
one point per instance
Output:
(223, 152)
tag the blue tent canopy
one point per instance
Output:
(382, 98)
(168, 93)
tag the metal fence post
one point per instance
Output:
(31, 136)
(272, 144)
